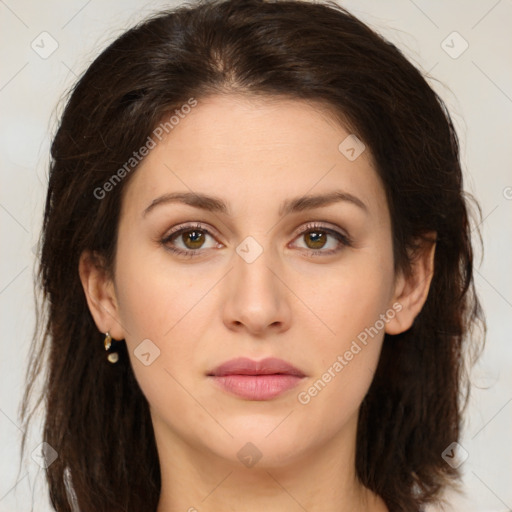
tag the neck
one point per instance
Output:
(196, 480)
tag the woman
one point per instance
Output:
(257, 264)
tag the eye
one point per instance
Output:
(188, 240)
(317, 237)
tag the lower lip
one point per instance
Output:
(257, 387)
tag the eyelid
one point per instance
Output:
(190, 227)
(342, 237)
(321, 225)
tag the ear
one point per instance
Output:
(100, 294)
(411, 290)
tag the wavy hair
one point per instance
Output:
(96, 416)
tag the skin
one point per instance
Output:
(303, 308)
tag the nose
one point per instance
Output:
(257, 298)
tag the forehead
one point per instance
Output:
(246, 147)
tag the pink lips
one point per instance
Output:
(256, 380)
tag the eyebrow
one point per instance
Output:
(215, 204)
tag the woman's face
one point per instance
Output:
(266, 275)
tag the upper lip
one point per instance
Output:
(245, 366)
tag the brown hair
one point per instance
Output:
(97, 418)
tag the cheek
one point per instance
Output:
(348, 298)
(349, 305)
(158, 314)
(170, 307)
(345, 363)
(153, 295)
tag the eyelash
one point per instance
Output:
(344, 240)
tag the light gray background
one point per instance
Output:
(477, 86)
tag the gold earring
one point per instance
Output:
(113, 357)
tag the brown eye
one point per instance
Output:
(322, 241)
(193, 239)
(315, 239)
(189, 241)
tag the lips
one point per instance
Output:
(256, 380)
(245, 366)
